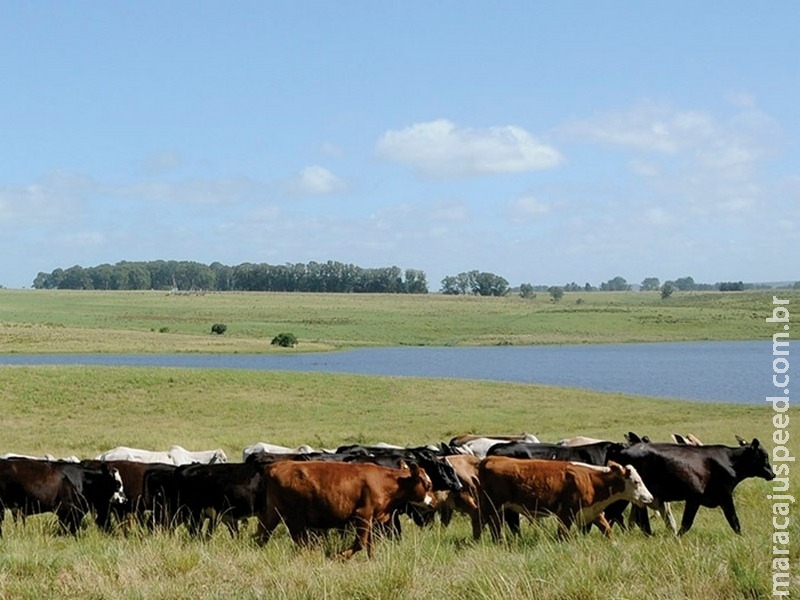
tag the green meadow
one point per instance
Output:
(155, 321)
(85, 410)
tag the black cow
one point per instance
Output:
(698, 475)
(139, 501)
(598, 453)
(225, 491)
(442, 475)
(69, 490)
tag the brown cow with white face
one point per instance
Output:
(572, 492)
(324, 495)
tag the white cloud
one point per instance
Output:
(317, 181)
(527, 209)
(439, 148)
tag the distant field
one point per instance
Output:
(81, 410)
(141, 322)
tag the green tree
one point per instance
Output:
(526, 291)
(556, 293)
(618, 284)
(650, 284)
(667, 289)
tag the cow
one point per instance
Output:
(598, 453)
(71, 458)
(699, 475)
(479, 445)
(67, 489)
(139, 501)
(260, 447)
(227, 492)
(467, 499)
(324, 495)
(175, 455)
(572, 492)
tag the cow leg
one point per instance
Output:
(669, 518)
(730, 514)
(614, 513)
(363, 538)
(689, 513)
(511, 518)
(641, 519)
(445, 515)
(267, 523)
(564, 523)
(603, 525)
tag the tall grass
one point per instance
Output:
(84, 410)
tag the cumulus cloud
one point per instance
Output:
(317, 181)
(440, 148)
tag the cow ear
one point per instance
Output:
(615, 466)
(404, 465)
(414, 469)
(741, 440)
(755, 443)
(632, 438)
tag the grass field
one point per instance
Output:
(140, 322)
(82, 410)
(85, 410)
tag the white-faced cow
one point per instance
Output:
(572, 492)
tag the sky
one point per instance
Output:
(543, 142)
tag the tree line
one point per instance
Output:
(330, 276)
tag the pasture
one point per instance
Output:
(143, 322)
(83, 411)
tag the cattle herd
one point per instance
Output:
(493, 480)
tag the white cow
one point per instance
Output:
(176, 455)
(259, 447)
(50, 457)
(479, 446)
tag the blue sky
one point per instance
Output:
(543, 142)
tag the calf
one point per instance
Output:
(572, 492)
(325, 495)
(699, 475)
(67, 489)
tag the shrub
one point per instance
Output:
(285, 340)
(219, 328)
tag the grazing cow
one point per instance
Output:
(479, 445)
(325, 495)
(572, 492)
(598, 453)
(176, 455)
(67, 489)
(260, 447)
(227, 492)
(699, 475)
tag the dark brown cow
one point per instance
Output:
(467, 499)
(67, 489)
(573, 492)
(324, 495)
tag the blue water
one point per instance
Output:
(738, 372)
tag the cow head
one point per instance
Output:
(441, 473)
(112, 485)
(753, 461)
(635, 489)
(419, 486)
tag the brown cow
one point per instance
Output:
(467, 499)
(573, 492)
(324, 495)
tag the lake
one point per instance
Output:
(738, 372)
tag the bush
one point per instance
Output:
(285, 340)
(219, 328)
